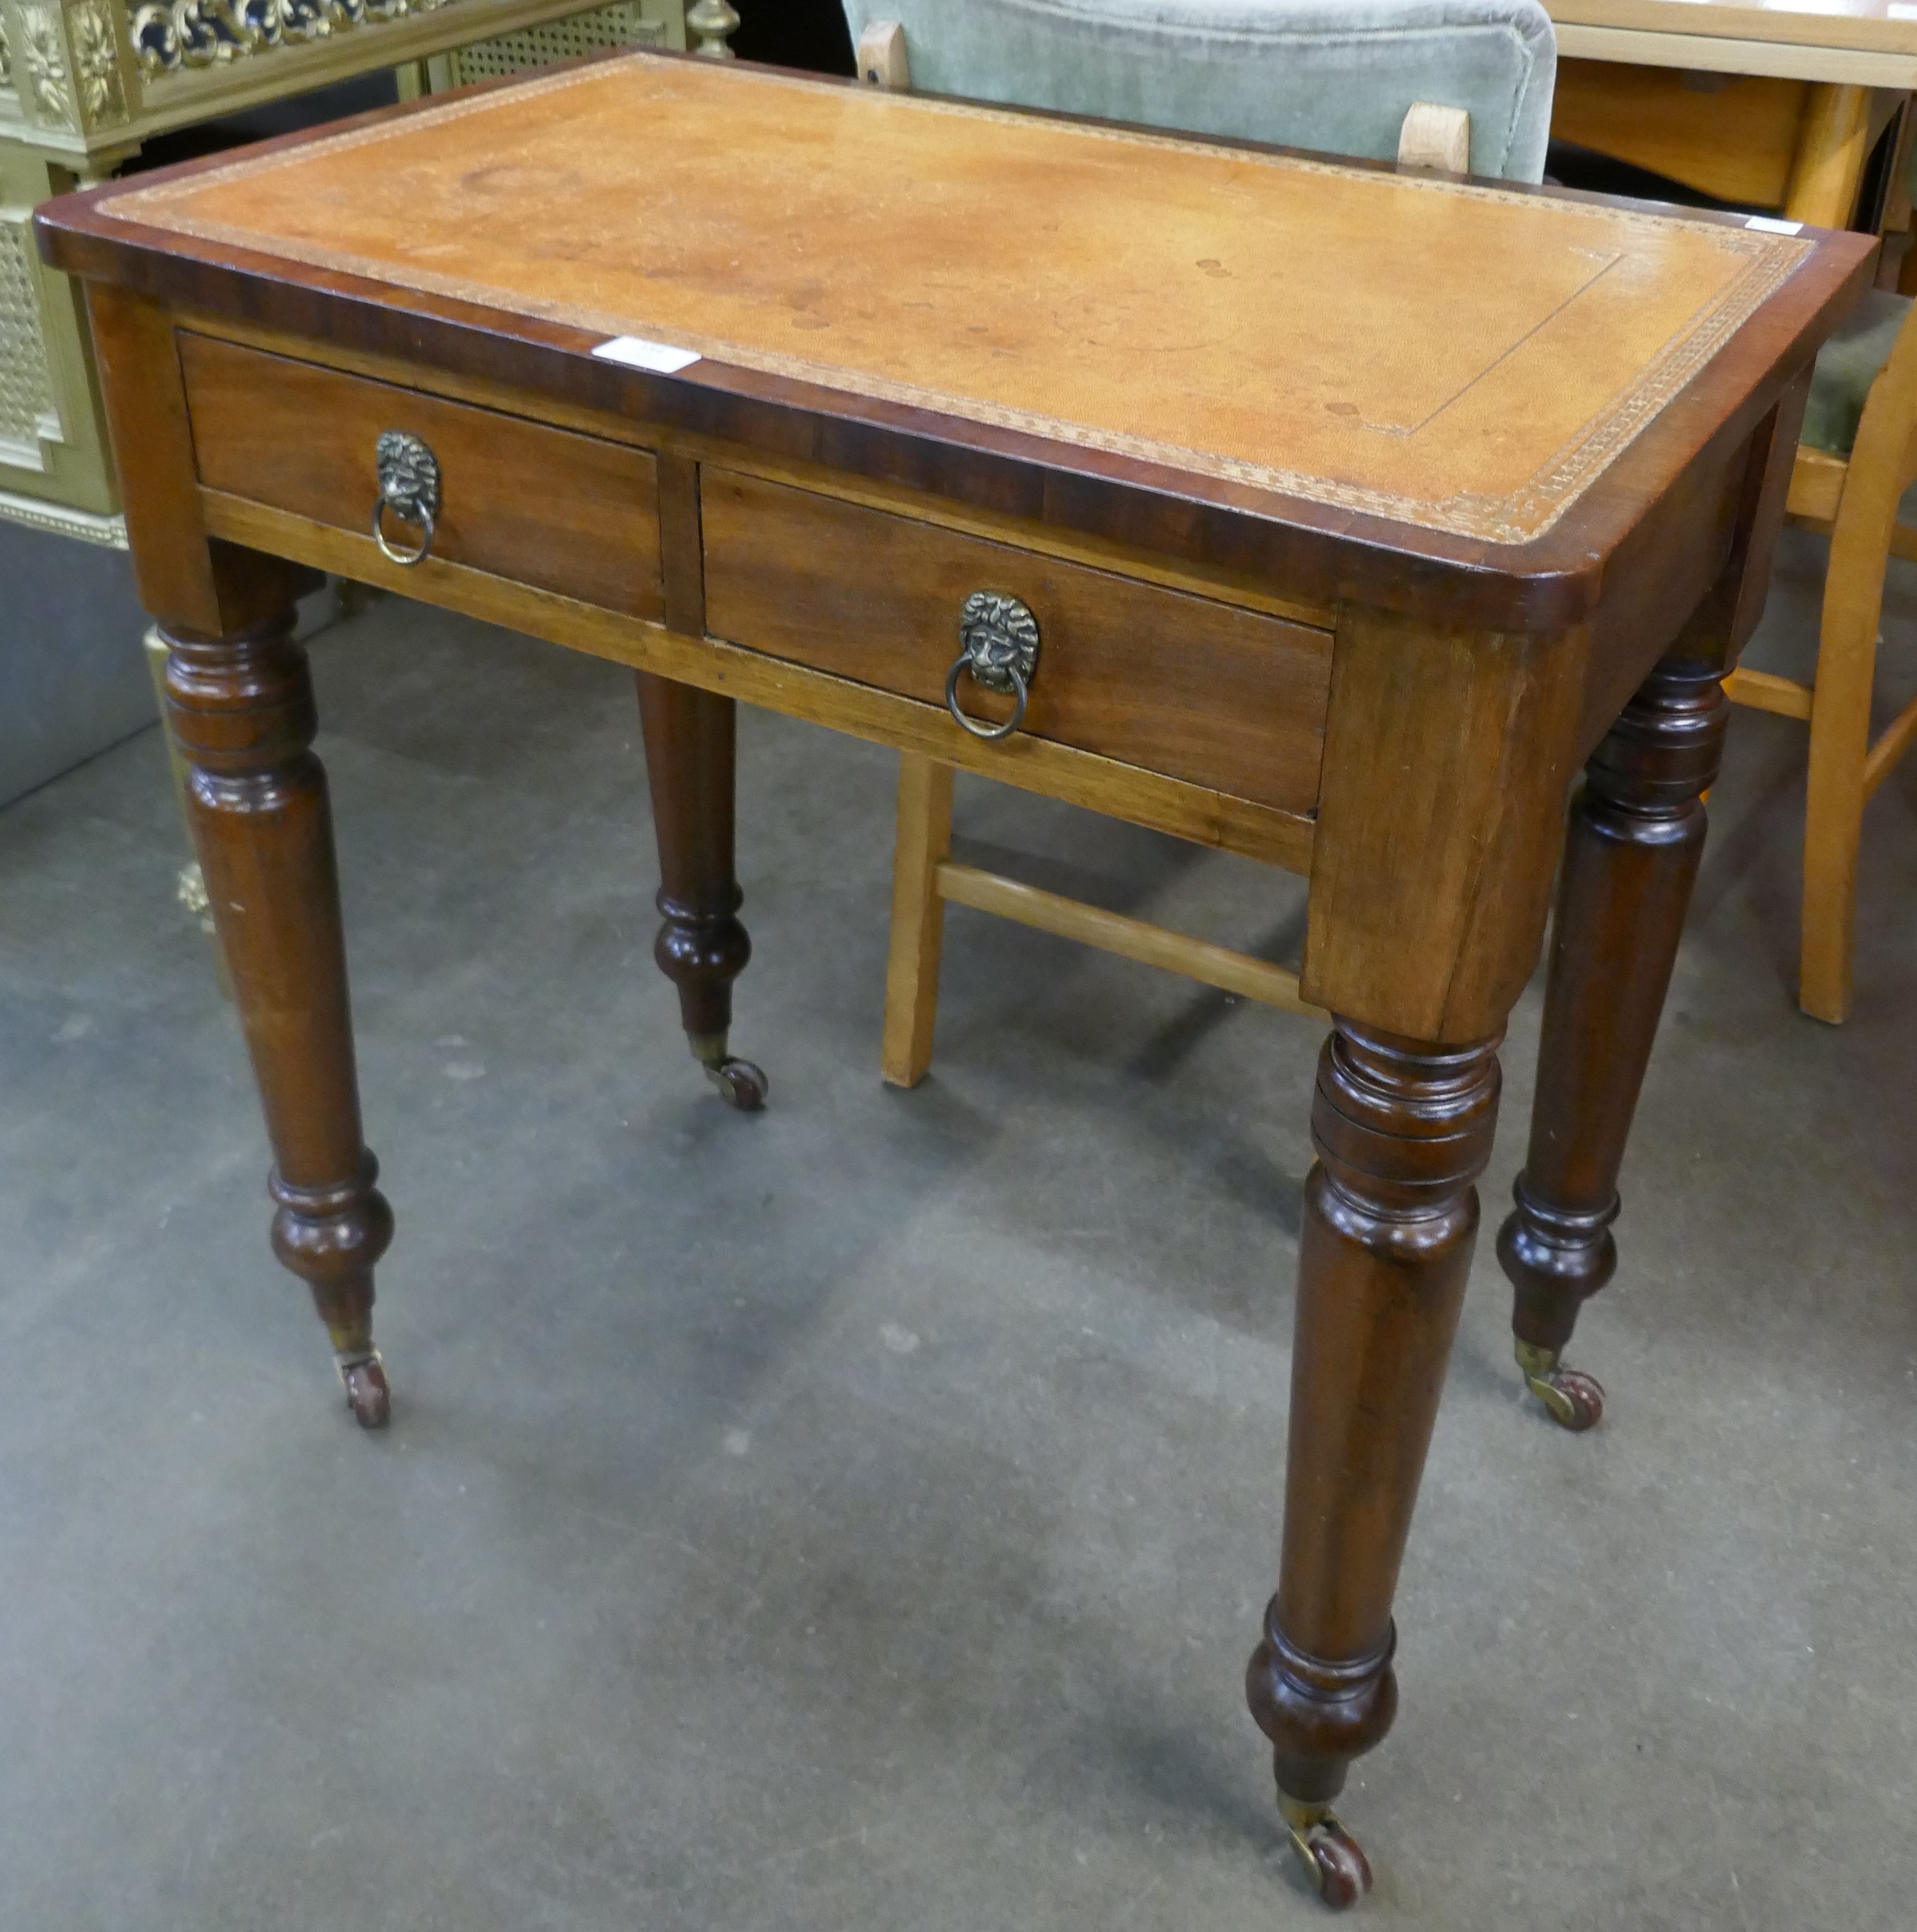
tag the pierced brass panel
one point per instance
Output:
(621, 26)
(27, 412)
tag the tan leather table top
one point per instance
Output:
(1460, 357)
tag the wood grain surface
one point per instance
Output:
(1736, 142)
(1196, 812)
(541, 505)
(1220, 697)
(1873, 26)
(186, 582)
(1446, 761)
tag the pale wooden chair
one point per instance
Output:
(1858, 457)
(1143, 62)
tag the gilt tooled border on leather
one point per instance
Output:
(1526, 514)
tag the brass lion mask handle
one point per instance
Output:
(409, 474)
(1000, 638)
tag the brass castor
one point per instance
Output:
(1575, 1400)
(1333, 1861)
(740, 1083)
(368, 1394)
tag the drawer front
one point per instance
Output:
(544, 507)
(1220, 696)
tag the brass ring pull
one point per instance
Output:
(971, 724)
(388, 548)
(409, 474)
(1000, 638)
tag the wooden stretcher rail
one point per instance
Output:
(1764, 691)
(1198, 959)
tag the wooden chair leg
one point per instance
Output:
(1831, 149)
(1833, 807)
(918, 917)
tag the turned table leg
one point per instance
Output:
(1402, 1129)
(1636, 833)
(702, 947)
(241, 712)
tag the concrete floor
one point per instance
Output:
(858, 1517)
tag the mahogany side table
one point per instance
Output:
(1329, 514)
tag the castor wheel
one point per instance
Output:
(1575, 1400)
(368, 1394)
(1333, 1861)
(740, 1084)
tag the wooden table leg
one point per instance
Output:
(241, 712)
(702, 947)
(1402, 1130)
(1636, 833)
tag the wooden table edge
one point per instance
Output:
(1722, 53)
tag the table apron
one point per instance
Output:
(1199, 813)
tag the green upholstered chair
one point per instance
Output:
(1847, 365)
(1337, 75)
(1857, 456)
(1376, 80)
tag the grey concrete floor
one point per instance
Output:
(858, 1517)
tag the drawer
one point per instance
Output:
(1220, 697)
(545, 507)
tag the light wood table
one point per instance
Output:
(1776, 106)
(1327, 515)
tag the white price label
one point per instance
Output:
(636, 352)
